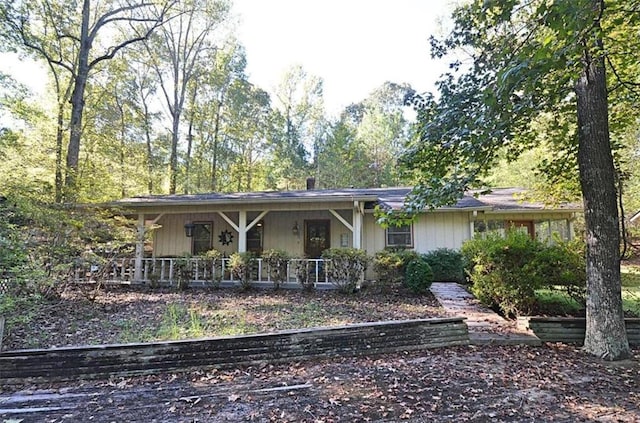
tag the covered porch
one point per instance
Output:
(301, 223)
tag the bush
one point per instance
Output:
(447, 265)
(241, 265)
(345, 267)
(277, 261)
(303, 269)
(418, 277)
(562, 267)
(507, 271)
(212, 265)
(502, 273)
(183, 268)
(390, 266)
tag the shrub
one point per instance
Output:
(390, 266)
(447, 265)
(418, 277)
(502, 271)
(183, 268)
(507, 271)
(303, 270)
(562, 267)
(345, 267)
(277, 261)
(212, 263)
(241, 265)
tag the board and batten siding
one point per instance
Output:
(170, 239)
(431, 231)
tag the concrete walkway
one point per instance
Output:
(485, 325)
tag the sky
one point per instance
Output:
(353, 45)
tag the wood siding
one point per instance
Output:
(430, 231)
(170, 240)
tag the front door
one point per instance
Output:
(316, 237)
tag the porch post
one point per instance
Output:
(242, 231)
(137, 273)
(357, 224)
(571, 229)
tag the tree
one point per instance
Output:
(50, 31)
(177, 54)
(300, 105)
(531, 60)
(382, 131)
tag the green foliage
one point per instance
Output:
(212, 266)
(184, 272)
(42, 246)
(447, 265)
(418, 277)
(277, 262)
(242, 266)
(502, 273)
(303, 270)
(562, 267)
(345, 267)
(390, 266)
(507, 271)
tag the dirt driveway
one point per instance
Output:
(475, 383)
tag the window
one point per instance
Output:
(399, 236)
(254, 238)
(489, 226)
(202, 238)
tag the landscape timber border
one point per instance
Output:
(104, 361)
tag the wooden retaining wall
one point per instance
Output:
(91, 362)
(570, 330)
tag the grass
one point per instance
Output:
(630, 276)
(556, 303)
(553, 302)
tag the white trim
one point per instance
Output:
(256, 220)
(341, 219)
(229, 221)
(242, 231)
(137, 271)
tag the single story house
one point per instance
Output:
(306, 222)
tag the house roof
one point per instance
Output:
(513, 199)
(499, 199)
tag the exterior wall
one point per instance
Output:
(170, 239)
(430, 231)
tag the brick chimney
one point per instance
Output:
(311, 183)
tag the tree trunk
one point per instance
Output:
(77, 106)
(605, 335)
(147, 134)
(173, 159)
(59, 142)
(214, 158)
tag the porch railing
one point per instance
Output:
(204, 272)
